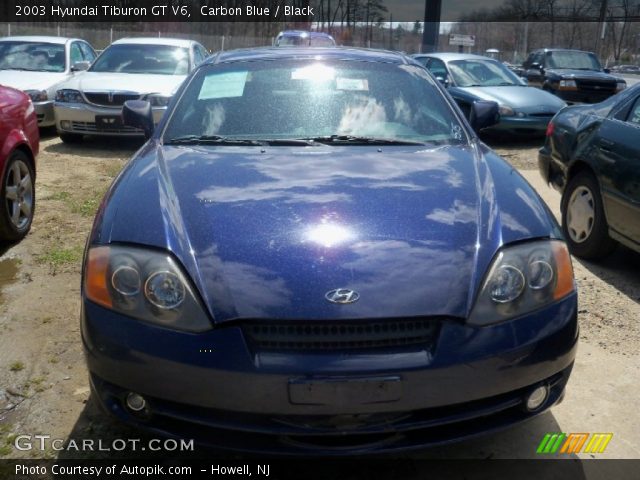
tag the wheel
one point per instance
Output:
(71, 137)
(18, 197)
(583, 220)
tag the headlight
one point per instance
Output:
(621, 85)
(523, 278)
(158, 100)
(143, 284)
(69, 96)
(567, 85)
(37, 95)
(506, 111)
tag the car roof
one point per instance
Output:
(39, 38)
(172, 42)
(449, 56)
(302, 53)
(562, 50)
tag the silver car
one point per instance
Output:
(37, 65)
(129, 69)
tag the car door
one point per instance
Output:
(619, 164)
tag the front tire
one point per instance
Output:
(18, 197)
(583, 219)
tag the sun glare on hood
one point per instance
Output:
(328, 235)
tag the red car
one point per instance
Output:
(19, 144)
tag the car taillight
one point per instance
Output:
(550, 129)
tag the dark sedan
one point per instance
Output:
(314, 253)
(592, 156)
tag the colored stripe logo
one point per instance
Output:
(573, 442)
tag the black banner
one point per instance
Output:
(404, 468)
(334, 12)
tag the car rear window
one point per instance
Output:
(310, 98)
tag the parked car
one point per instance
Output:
(592, 156)
(130, 68)
(19, 145)
(469, 78)
(314, 253)
(573, 75)
(301, 38)
(626, 69)
(37, 65)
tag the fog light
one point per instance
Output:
(65, 124)
(135, 402)
(537, 398)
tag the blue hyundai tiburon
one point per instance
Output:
(315, 254)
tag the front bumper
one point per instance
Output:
(80, 118)
(45, 113)
(522, 125)
(218, 389)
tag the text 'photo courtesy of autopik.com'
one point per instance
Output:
(319, 239)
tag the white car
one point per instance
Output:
(37, 65)
(129, 69)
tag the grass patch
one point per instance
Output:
(16, 366)
(58, 258)
(85, 206)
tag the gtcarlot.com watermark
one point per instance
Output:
(45, 442)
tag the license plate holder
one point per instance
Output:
(338, 391)
(108, 122)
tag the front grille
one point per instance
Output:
(597, 86)
(90, 127)
(117, 99)
(342, 335)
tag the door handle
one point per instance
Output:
(606, 143)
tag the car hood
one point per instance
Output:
(585, 74)
(130, 82)
(31, 80)
(266, 233)
(518, 97)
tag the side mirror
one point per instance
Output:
(606, 70)
(80, 66)
(483, 114)
(444, 81)
(138, 114)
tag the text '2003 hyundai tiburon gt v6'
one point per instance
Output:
(314, 253)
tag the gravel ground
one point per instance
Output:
(43, 380)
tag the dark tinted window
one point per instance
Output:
(437, 68)
(302, 99)
(634, 115)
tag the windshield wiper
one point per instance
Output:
(211, 139)
(357, 140)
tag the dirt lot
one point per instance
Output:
(43, 380)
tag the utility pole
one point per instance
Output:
(601, 25)
(431, 30)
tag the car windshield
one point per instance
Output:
(139, 58)
(573, 60)
(341, 101)
(32, 56)
(481, 73)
